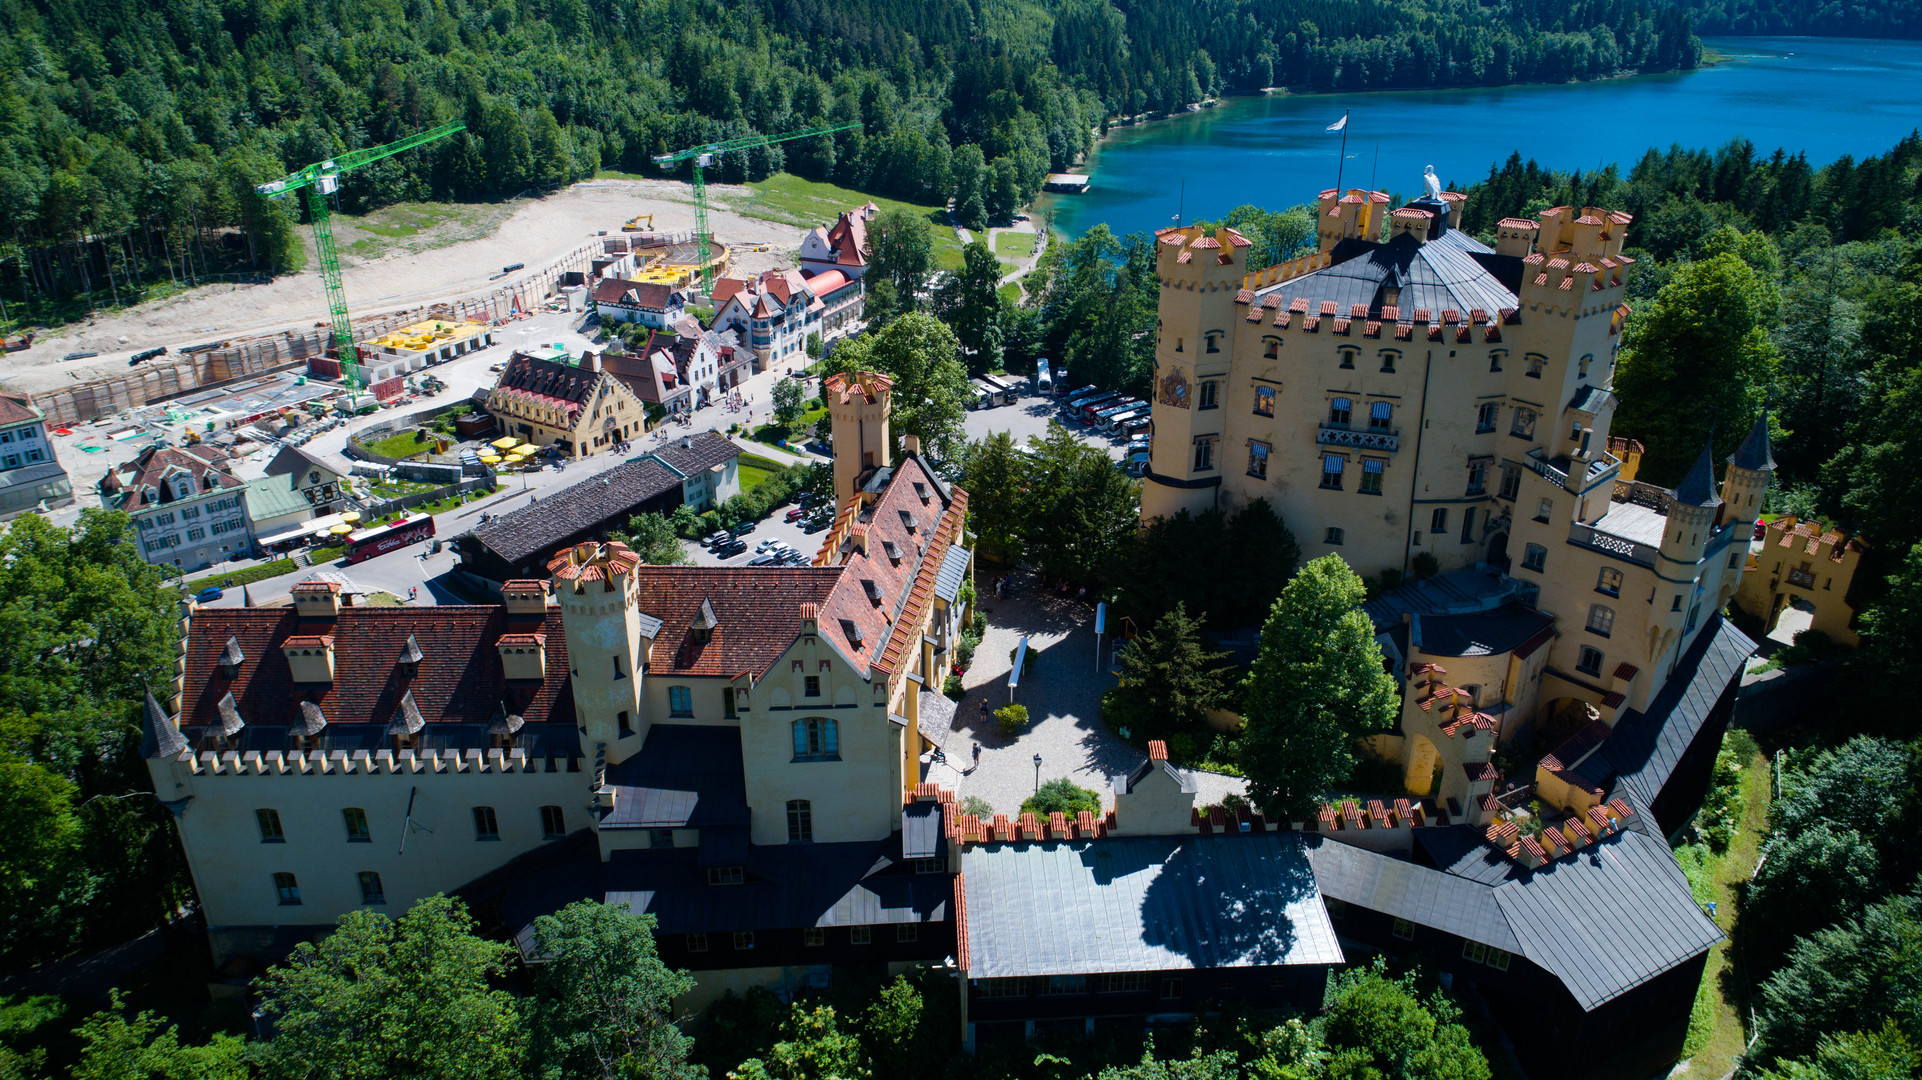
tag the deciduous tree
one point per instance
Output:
(604, 1003)
(901, 253)
(1316, 686)
(653, 538)
(930, 385)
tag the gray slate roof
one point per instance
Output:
(1755, 453)
(1603, 921)
(937, 717)
(1698, 487)
(1149, 903)
(954, 570)
(1484, 633)
(686, 776)
(1451, 271)
(921, 830)
(1645, 747)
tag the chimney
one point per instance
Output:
(1412, 220)
(317, 599)
(911, 444)
(1157, 750)
(590, 361)
(525, 597)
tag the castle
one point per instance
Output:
(1424, 394)
(738, 745)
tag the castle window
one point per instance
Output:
(1258, 460)
(1340, 412)
(1331, 466)
(1404, 930)
(1535, 366)
(727, 703)
(553, 823)
(1498, 958)
(1214, 341)
(1371, 470)
(370, 888)
(816, 739)
(1332, 536)
(1545, 510)
(1675, 604)
(1204, 452)
(660, 838)
(269, 822)
(906, 932)
(1524, 424)
(743, 940)
(860, 935)
(1609, 582)
(1380, 415)
(1178, 345)
(288, 890)
(1271, 348)
(811, 685)
(1206, 396)
(1468, 525)
(800, 821)
(1477, 477)
(1511, 481)
(814, 937)
(1601, 619)
(1485, 415)
(486, 827)
(1534, 557)
(1590, 662)
(726, 875)
(696, 943)
(1264, 401)
(1581, 370)
(680, 700)
(1474, 950)
(626, 726)
(618, 673)
(1388, 359)
(356, 821)
(1348, 357)
(1438, 521)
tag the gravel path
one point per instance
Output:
(1062, 691)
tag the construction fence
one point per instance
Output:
(172, 376)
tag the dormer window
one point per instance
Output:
(231, 658)
(908, 520)
(921, 490)
(410, 657)
(852, 631)
(874, 591)
(893, 553)
(701, 631)
(407, 723)
(307, 729)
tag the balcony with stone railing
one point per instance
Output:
(1600, 469)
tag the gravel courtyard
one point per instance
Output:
(1062, 691)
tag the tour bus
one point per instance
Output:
(1009, 389)
(1061, 385)
(1116, 424)
(1100, 419)
(1068, 396)
(1140, 425)
(381, 539)
(997, 394)
(1073, 407)
(1091, 412)
(1043, 382)
(980, 398)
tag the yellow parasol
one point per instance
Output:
(490, 459)
(507, 443)
(350, 516)
(341, 530)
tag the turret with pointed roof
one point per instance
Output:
(1755, 454)
(1698, 487)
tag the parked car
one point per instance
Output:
(743, 529)
(730, 549)
(770, 542)
(795, 513)
(714, 538)
(815, 524)
(209, 594)
(765, 558)
(791, 557)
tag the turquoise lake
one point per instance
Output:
(1821, 96)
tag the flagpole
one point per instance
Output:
(1343, 161)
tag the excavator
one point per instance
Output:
(640, 223)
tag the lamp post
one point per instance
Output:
(1037, 773)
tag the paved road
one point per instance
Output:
(1062, 691)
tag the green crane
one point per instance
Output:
(318, 181)
(702, 156)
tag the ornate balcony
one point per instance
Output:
(1359, 438)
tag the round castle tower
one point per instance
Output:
(1200, 274)
(858, 411)
(607, 650)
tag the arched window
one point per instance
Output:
(815, 739)
(800, 821)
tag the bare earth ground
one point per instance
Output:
(537, 232)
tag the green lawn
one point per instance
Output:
(414, 227)
(1013, 244)
(776, 433)
(403, 445)
(787, 198)
(757, 470)
(1716, 1036)
(1012, 290)
(234, 579)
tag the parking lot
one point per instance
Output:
(773, 528)
(1031, 416)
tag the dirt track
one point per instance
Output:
(538, 232)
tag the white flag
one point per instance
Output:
(1339, 124)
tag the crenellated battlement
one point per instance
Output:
(367, 762)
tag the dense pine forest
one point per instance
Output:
(132, 134)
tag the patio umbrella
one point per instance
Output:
(341, 530)
(351, 515)
(506, 443)
(490, 459)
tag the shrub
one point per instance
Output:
(952, 688)
(1425, 566)
(1234, 803)
(1027, 662)
(1390, 580)
(1181, 748)
(1011, 718)
(964, 649)
(1061, 795)
(976, 806)
(979, 625)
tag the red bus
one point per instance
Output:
(382, 539)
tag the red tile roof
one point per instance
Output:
(138, 484)
(757, 614)
(17, 409)
(459, 680)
